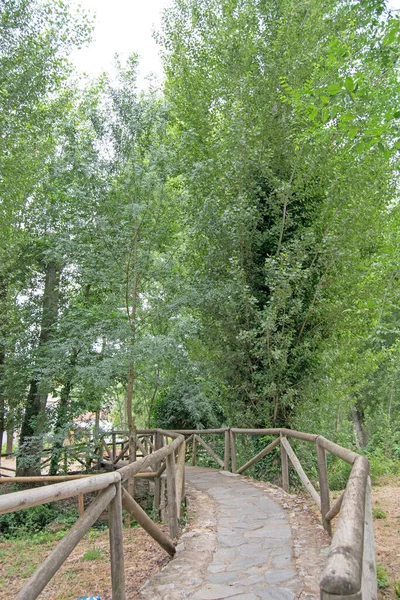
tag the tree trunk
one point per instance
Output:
(33, 423)
(10, 431)
(361, 434)
(3, 293)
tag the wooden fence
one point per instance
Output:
(350, 570)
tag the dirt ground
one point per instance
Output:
(80, 577)
(386, 501)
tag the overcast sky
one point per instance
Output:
(125, 26)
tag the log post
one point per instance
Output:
(114, 446)
(285, 467)
(180, 478)
(171, 492)
(369, 581)
(81, 504)
(324, 487)
(157, 480)
(233, 451)
(194, 451)
(116, 546)
(227, 452)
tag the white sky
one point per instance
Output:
(125, 26)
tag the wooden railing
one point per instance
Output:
(350, 571)
(113, 496)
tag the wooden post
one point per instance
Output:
(180, 478)
(227, 452)
(81, 504)
(369, 582)
(171, 492)
(233, 451)
(114, 446)
(116, 546)
(157, 480)
(285, 467)
(324, 487)
(194, 453)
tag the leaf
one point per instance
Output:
(333, 89)
(349, 84)
(396, 114)
(353, 132)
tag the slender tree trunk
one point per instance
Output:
(3, 294)
(358, 421)
(33, 423)
(10, 431)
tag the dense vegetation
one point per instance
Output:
(221, 251)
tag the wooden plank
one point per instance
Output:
(259, 456)
(233, 451)
(210, 451)
(117, 546)
(342, 575)
(369, 580)
(296, 463)
(285, 466)
(227, 450)
(323, 487)
(148, 525)
(58, 491)
(60, 553)
(347, 455)
(171, 493)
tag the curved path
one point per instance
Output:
(241, 546)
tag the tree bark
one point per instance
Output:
(33, 423)
(358, 421)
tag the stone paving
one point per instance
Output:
(241, 547)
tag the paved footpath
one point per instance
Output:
(241, 547)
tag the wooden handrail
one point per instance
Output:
(352, 543)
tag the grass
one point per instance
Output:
(93, 554)
(382, 577)
(378, 513)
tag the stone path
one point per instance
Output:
(241, 547)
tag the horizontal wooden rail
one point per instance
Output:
(58, 491)
(342, 576)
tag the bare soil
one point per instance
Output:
(386, 501)
(80, 577)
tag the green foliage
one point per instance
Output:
(26, 523)
(378, 513)
(93, 554)
(382, 577)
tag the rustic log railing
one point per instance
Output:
(350, 570)
(113, 496)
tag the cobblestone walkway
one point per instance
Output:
(241, 547)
